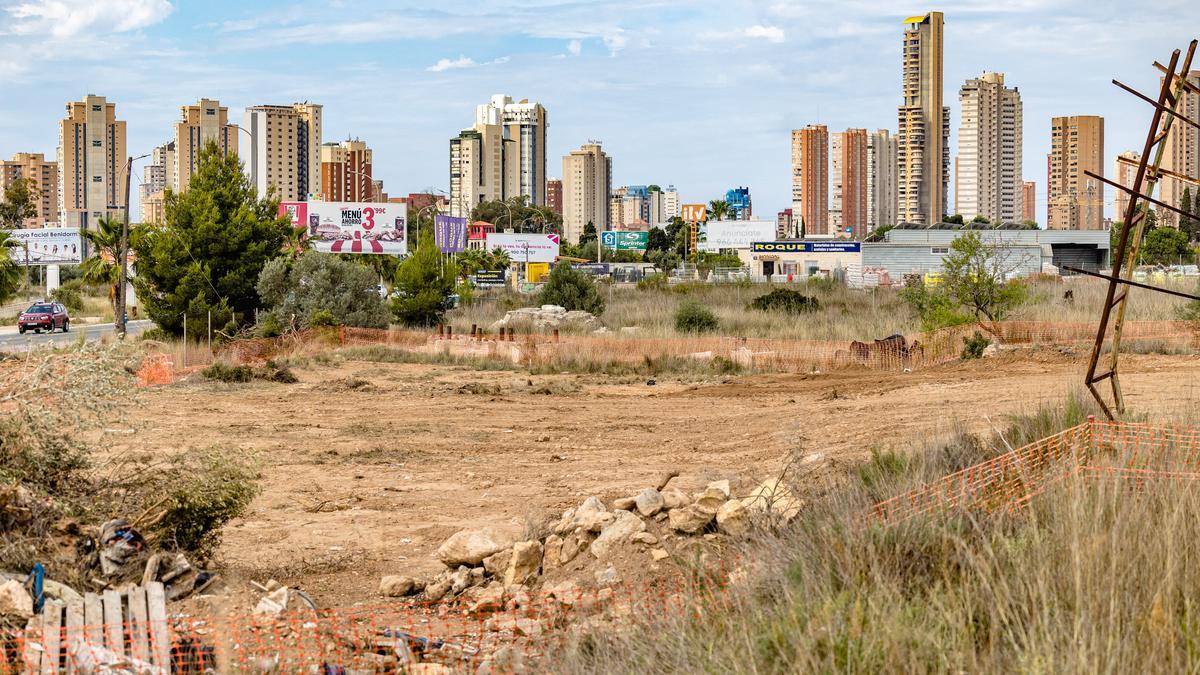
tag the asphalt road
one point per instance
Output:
(12, 340)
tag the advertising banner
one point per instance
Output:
(49, 246)
(450, 234)
(805, 247)
(490, 278)
(541, 248)
(535, 272)
(351, 227)
(719, 234)
(625, 241)
(694, 213)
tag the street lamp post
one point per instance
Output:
(122, 249)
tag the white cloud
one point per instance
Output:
(462, 62)
(68, 18)
(773, 34)
(575, 47)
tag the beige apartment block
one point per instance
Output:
(91, 163)
(33, 166)
(587, 183)
(1182, 153)
(1075, 201)
(848, 214)
(881, 179)
(923, 151)
(476, 168)
(205, 122)
(157, 178)
(285, 149)
(346, 172)
(810, 178)
(1124, 173)
(1028, 201)
(987, 172)
(525, 125)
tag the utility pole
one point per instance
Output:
(122, 251)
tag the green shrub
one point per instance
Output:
(424, 286)
(157, 334)
(973, 346)
(320, 289)
(573, 290)
(654, 282)
(692, 317)
(221, 371)
(785, 300)
(70, 295)
(270, 326)
(323, 319)
(206, 490)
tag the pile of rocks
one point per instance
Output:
(491, 568)
(547, 318)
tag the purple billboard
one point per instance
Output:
(450, 234)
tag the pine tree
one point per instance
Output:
(1188, 223)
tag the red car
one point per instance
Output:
(44, 316)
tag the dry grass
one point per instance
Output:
(1093, 577)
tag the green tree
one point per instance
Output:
(957, 219)
(664, 260)
(316, 283)
(879, 233)
(657, 240)
(589, 233)
(980, 218)
(973, 274)
(1031, 224)
(572, 289)
(718, 209)
(424, 285)
(11, 274)
(19, 203)
(1190, 223)
(524, 217)
(209, 252)
(1165, 246)
(100, 268)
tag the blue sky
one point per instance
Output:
(700, 94)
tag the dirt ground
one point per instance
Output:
(368, 467)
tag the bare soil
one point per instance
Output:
(368, 467)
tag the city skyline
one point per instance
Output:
(792, 64)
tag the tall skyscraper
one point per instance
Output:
(200, 124)
(91, 163)
(285, 149)
(848, 214)
(987, 173)
(741, 207)
(881, 180)
(34, 167)
(1076, 202)
(476, 168)
(1028, 201)
(1124, 172)
(554, 195)
(587, 182)
(810, 178)
(525, 130)
(157, 177)
(346, 172)
(924, 135)
(1182, 153)
(669, 205)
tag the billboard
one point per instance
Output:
(625, 241)
(49, 246)
(450, 234)
(525, 247)
(351, 227)
(693, 213)
(490, 278)
(805, 247)
(719, 234)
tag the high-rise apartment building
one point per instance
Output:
(1124, 173)
(741, 207)
(587, 182)
(476, 168)
(554, 195)
(629, 207)
(1028, 201)
(346, 172)
(44, 175)
(924, 135)
(157, 177)
(810, 178)
(881, 180)
(1075, 201)
(848, 213)
(1182, 153)
(285, 149)
(987, 172)
(91, 163)
(525, 130)
(668, 205)
(784, 228)
(200, 124)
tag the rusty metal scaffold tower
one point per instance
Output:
(1174, 90)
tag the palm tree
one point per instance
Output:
(100, 268)
(718, 209)
(11, 273)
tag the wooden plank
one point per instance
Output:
(139, 642)
(33, 654)
(74, 633)
(114, 623)
(160, 641)
(51, 636)
(93, 620)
